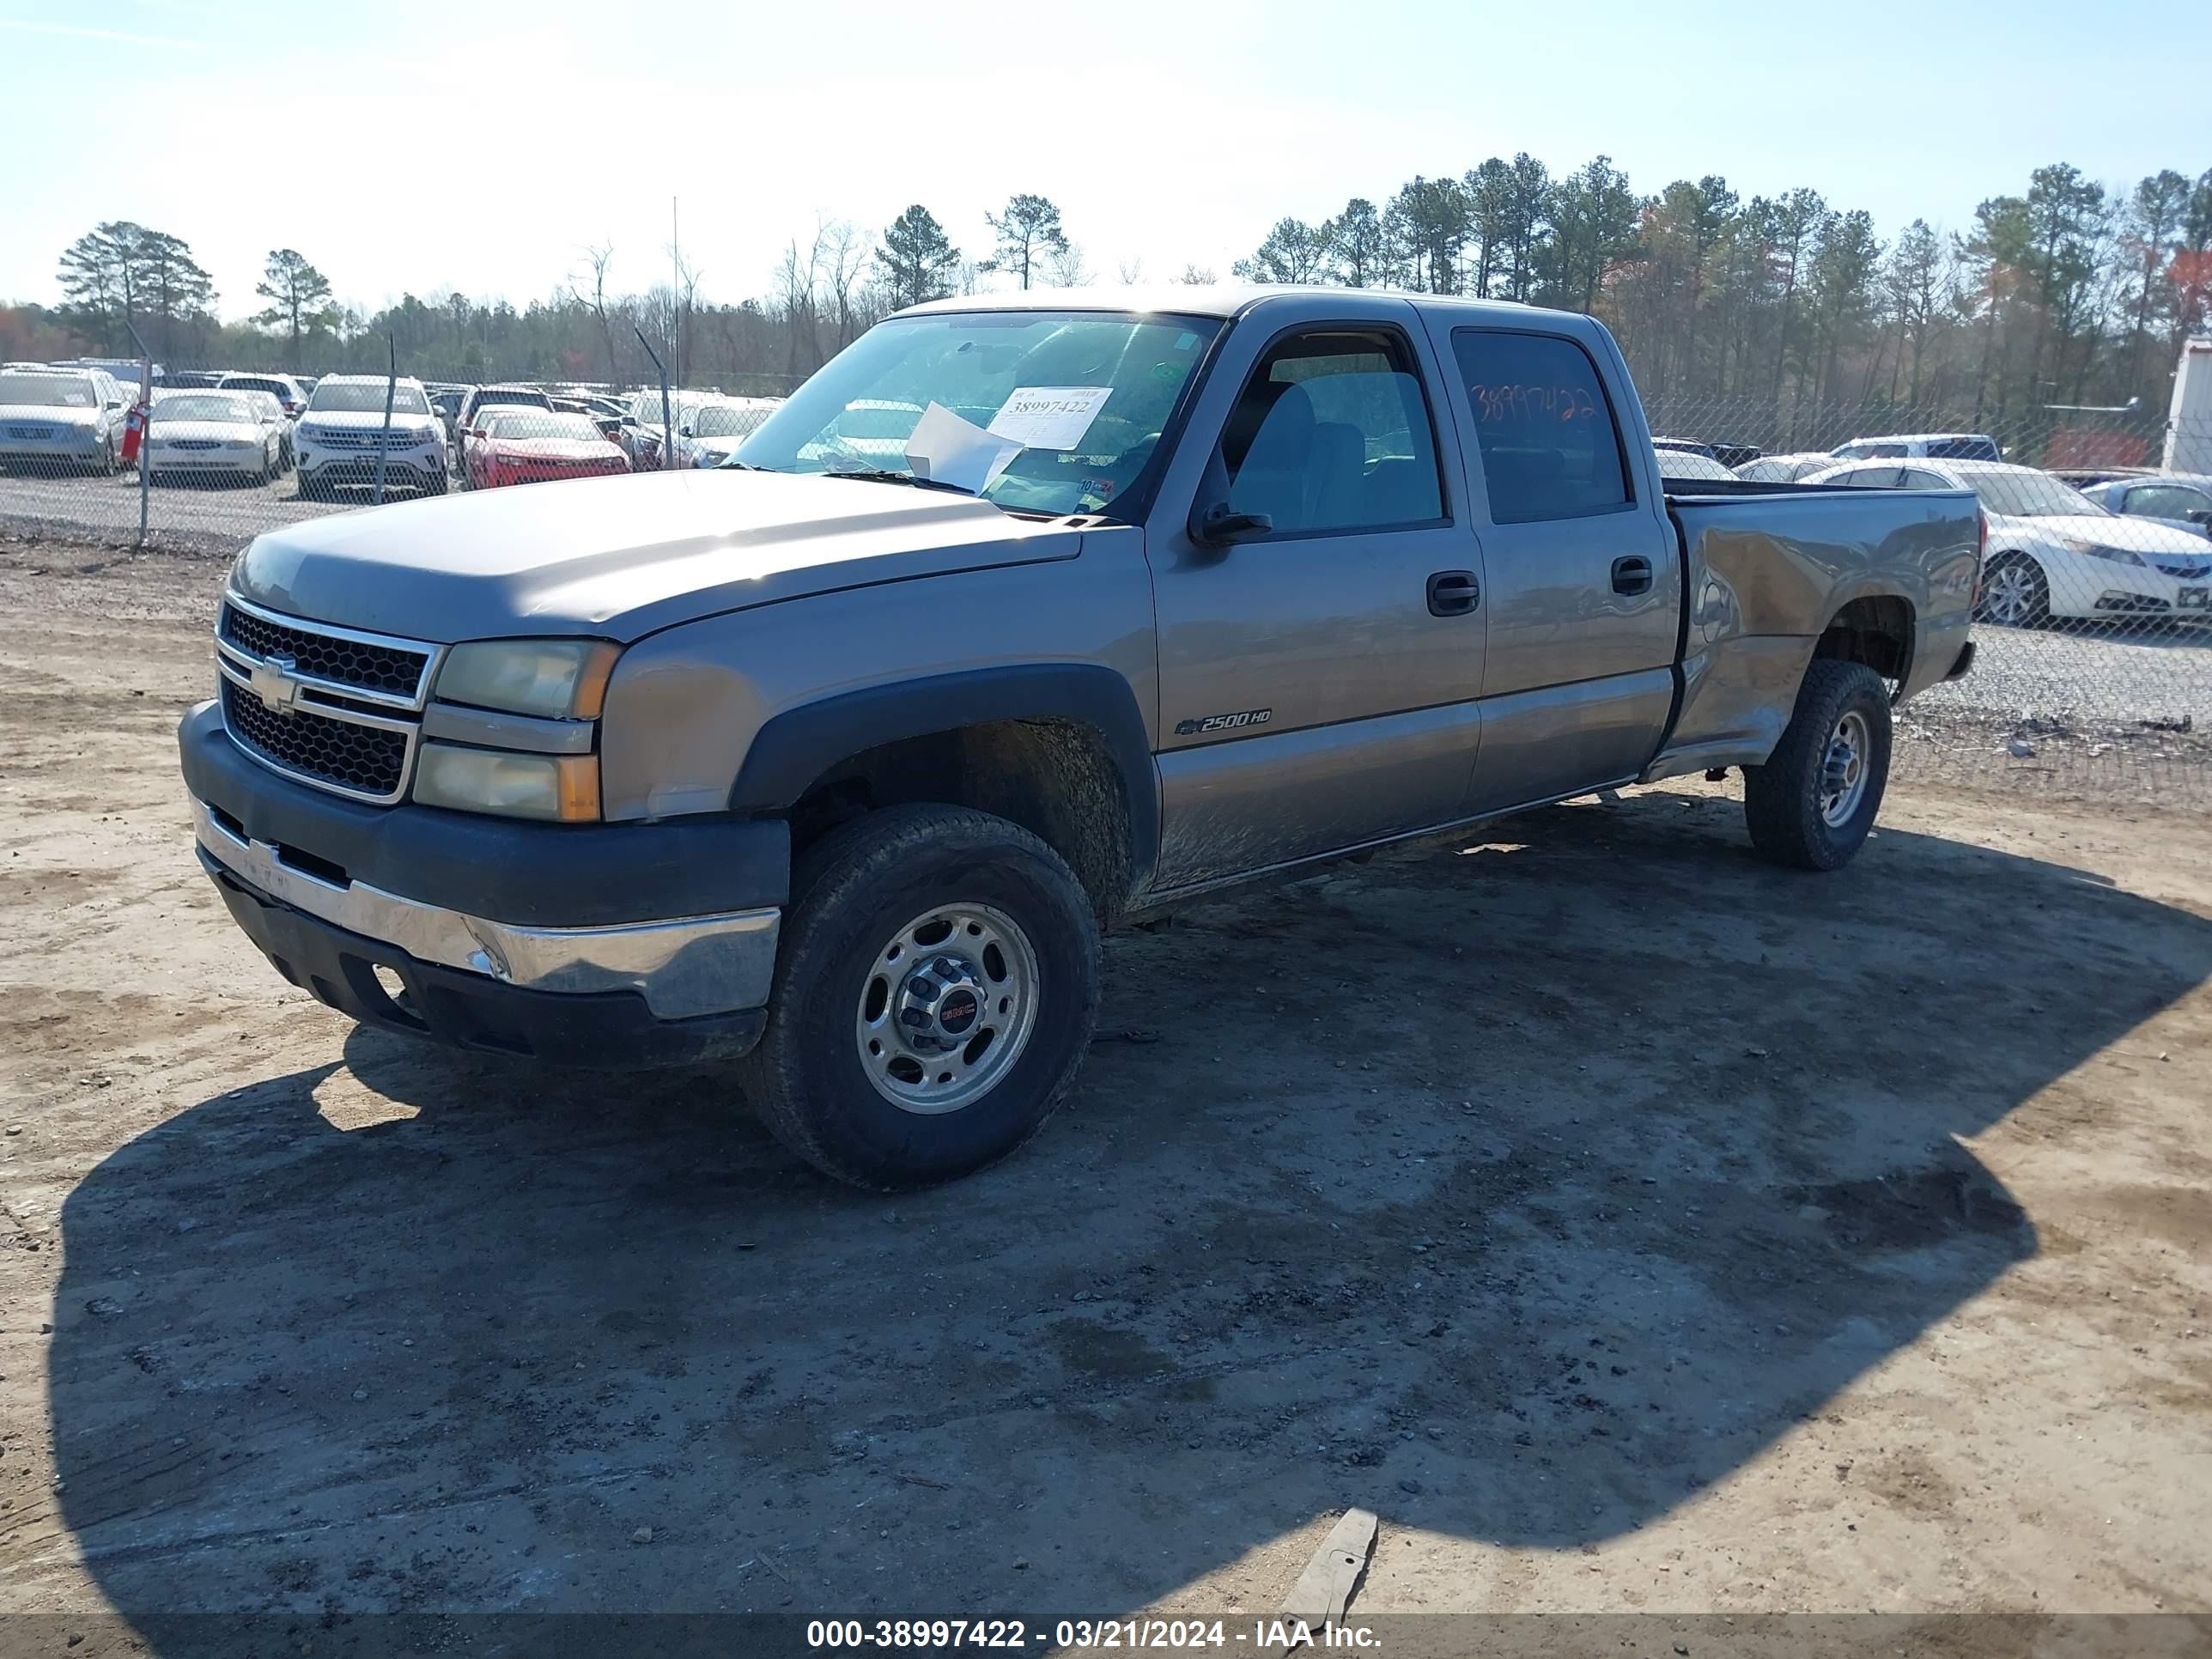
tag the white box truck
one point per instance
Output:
(2189, 422)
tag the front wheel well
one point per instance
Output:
(1057, 779)
(1877, 631)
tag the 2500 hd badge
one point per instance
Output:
(1224, 722)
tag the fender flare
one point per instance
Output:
(796, 747)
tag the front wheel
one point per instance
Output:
(935, 990)
(1812, 803)
(2015, 594)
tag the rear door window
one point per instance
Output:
(1869, 478)
(1549, 442)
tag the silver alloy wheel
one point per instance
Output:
(2011, 597)
(947, 1008)
(1843, 769)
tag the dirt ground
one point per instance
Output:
(1632, 1226)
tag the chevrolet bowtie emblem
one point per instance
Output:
(275, 684)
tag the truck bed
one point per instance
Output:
(1769, 569)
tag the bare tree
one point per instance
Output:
(1131, 271)
(797, 279)
(1063, 266)
(842, 251)
(1197, 277)
(597, 257)
(686, 301)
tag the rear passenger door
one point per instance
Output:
(1584, 579)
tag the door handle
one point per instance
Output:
(1454, 593)
(1631, 576)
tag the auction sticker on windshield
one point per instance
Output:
(1050, 416)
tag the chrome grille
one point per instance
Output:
(332, 706)
(348, 660)
(365, 438)
(368, 760)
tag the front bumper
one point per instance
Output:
(411, 469)
(583, 1029)
(65, 447)
(658, 940)
(159, 460)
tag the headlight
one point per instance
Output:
(562, 787)
(2099, 551)
(558, 679)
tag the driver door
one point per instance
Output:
(1318, 681)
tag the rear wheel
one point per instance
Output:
(1812, 803)
(2016, 592)
(935, 991)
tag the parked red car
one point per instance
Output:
(530, 445)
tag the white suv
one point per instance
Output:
(335, 442)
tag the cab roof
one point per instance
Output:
(1208, 300)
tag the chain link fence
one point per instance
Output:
(217, 455)
(2095, 617)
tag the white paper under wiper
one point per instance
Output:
(946, 449)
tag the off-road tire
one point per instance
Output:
(1782, 798)
(850, 893)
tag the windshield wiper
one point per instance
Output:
(885, 474)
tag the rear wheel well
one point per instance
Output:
(1056, 778)
(1875, 631)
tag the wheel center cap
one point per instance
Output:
(940, 1005)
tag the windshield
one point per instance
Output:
(1114, 381)
(48, 390)
(366, 397)
(521, 397)
(205, 406)
(274, 388)
(536, 424)
(2030, 496)
(722, 420)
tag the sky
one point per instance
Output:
(480, 145)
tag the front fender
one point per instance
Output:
(799, 746)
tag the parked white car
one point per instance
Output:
(1935, 445)
(714, 430)
(288, 391)
(2051, 552)
(1785, 469)
(207, 434)
(335, 442)
(62, 417)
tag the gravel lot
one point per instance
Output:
(1633, 1227)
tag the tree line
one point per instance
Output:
(2068, 293)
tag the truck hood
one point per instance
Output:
(620, 558)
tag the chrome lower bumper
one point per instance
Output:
(683, 967)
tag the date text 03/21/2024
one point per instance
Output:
(947, 1635)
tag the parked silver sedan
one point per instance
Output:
(210, 434)
(61, 417)
(2181, 501)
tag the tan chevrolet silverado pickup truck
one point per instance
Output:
(1026, 615)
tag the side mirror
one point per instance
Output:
(682, 431)
(1217, 526)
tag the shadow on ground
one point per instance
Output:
(1519, 1193)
